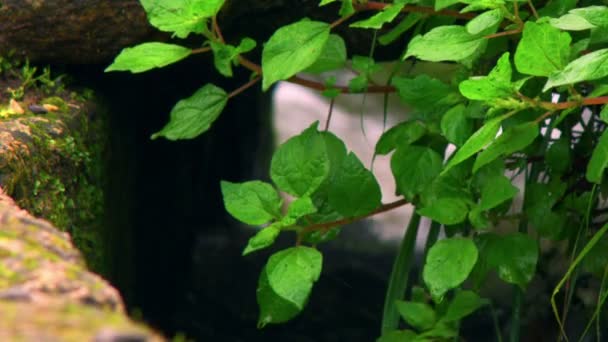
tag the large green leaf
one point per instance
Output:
(354, 191)
(333, 56)
(414, 168)
(513, 255)
(181, 17)
(425, 93)
(148, 56)
(301, 164)
(599, 160)
(495, 191)
(273, 308)
(446, 211)
(448, 264)
(514, 139)
(404, 133)
(292, 49)
(582, 19)
(591, 66)
(252, 202)
(292, 273)
(193, 116)
(445, 43)
(542, 50)
(476, 142)
(455, 126)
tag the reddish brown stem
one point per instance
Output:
(244, 87)
(201, 50)
(333, 224)
(503, 33)
(378, 6)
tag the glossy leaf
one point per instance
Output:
(252, 202)
(301, 164)
(148, 56)
(448, 264)
(292, 49)
(445, 43)
(262, 239)
(273, 308)
(193, 116)
(484, 21)
(542, 50)
(591, 66)
(582, 19)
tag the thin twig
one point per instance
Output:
(244, 87)
(201, 50)
(331, 110)
(378, 6)
(502, 34)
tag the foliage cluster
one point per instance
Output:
(528, 100)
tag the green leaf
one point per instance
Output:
(404, 133)
(441, 4)
(514, 139)
(301, 164)
(273, 308)
(476, 142)
(398, 336)
(408, 22)
(292, 273)
(387, 15)
(193, 116)
(418, 315)
(333, 56)
(448, 264)
(252, 202)
(463, 304)
(440, 332)
(455, 126)
(559, 156)
(414, 168)
(542, 50)
(445, 43)
(292, 49)
(347, 8)
(301, 207)
(539, 202)
(604, 114)
(425, 93)
(494, 86)
(446, 211)
(591, 66)
(514, 255)
(485, 21)
(225, 55)
(181, 17)
(496, 191)
(148, 56)
(582, 19)
(354, 190)
(262, 239)
(599, 160)
(571, 22)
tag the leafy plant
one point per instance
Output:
(527, 98)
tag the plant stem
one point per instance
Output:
(516, 315)
(430, 241)
(398, 281)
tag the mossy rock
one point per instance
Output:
(46, 292)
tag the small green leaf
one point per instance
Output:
(419, 315)
(354, 190)
(446, 211)
(414, 168)
(494, 86)
(512, 140)
(347, 8)
(476, 142)
(301, 164)
(440, 331)
(181, 17)
(301, 207)
(408, 22)
(455, 126)
(542, 50)
(225, 55)
(484, 21)
(292, 273)
(514, 255)
(148, 56)
(193, 116)
(604, 114)
(496, 191)
(591, 66)
(559, 156)
(252, 202)
(387, 15)
(404, 133)
(463, 304)
(445, 43)
(273, 308)
(292, 49)
(599, 160)
(425, 93)
(333, 56)
(262, 239)
(448, 264)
